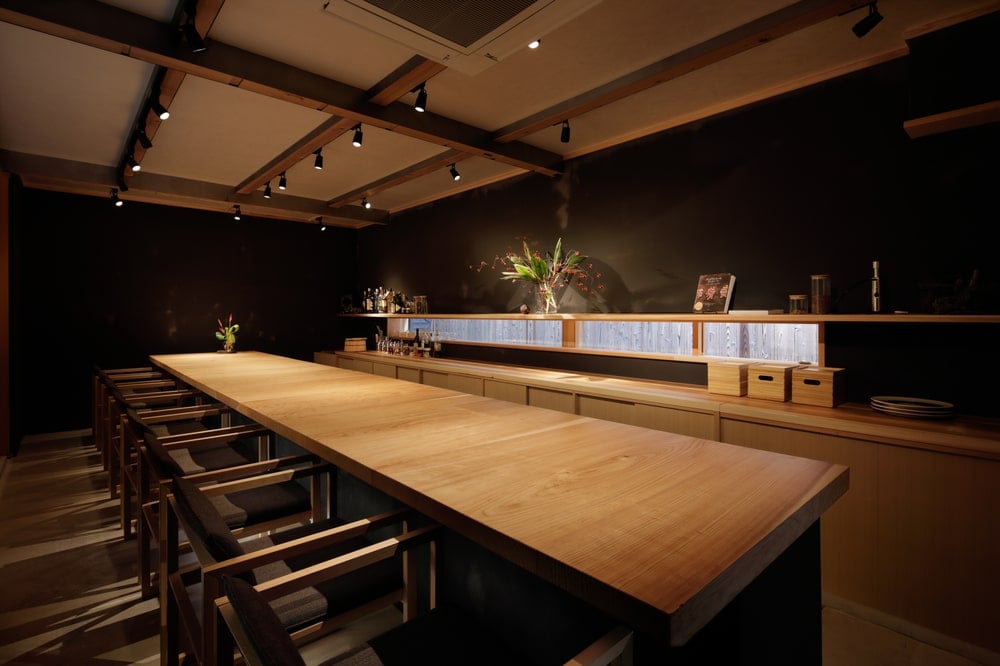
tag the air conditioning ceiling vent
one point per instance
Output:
(467, 36)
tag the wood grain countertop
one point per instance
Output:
(963, 435)
(658, 529)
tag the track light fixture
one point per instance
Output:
(135, 166)
(564, 136)
(421, 103)
(455, 175)
(159, 109)
(322, 224)
(237, 212)
(114, 198)
(144, 139)
(358, 136)
(865, 25)
(318, 162)
(282, 182)
(365, 203)
(267, 190)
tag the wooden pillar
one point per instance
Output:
(5, 429)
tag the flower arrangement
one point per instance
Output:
(547, 274)
(227, 334)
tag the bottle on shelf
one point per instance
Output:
(876, 289)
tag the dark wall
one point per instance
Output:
(821, 181)
(98, 285)
(824, 180)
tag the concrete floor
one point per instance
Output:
(69, 593)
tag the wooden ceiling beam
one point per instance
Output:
(119, 31)
(411, 172)
(766, 29)
(388, 90)
(47, 173)
(321, 136)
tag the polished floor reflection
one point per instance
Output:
(70, 595)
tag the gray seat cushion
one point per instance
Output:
(204, 522)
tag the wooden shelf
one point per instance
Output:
(970, 116)
(727, 318)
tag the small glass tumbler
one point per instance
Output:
(798, 304)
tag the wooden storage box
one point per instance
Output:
(825, 387)
(770, 381)
(355, 344)
(728, 377)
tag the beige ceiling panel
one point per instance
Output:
(301, 34)
(792, 62)
(74, 102)
(222, 134)
(475, 172)
(601, 45)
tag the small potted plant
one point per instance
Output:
(227, 334)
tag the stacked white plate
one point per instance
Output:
(917, 408)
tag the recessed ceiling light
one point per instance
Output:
(534, 44)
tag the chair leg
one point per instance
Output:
(125, 490)
(169, 613)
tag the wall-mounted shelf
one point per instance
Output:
(719, 318)
(948, 121)
(676, 336)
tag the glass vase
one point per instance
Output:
(545, 300)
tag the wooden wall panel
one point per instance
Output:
(517, 393)
(607, 409)
(939, 542)
(558, 400)
(384, 369)
(694, 424)
(850, 527)
(409, 374)
(466, 384)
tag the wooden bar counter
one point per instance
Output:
(661, 531)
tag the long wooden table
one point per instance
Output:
(660, 530)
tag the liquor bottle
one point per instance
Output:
(876, 289)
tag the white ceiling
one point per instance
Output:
(76, 76)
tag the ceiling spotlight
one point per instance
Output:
(318, 162)
(114, 197)
(534, 44)
(421, 103)
(159, 110)
(282, 182)
(564, 136)
(267, 190)
(237, 212)
(365, 203)
(144, 139)
(865, 25)
(136, 167)
(358, 136)
(322, 224)
(455, 175)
